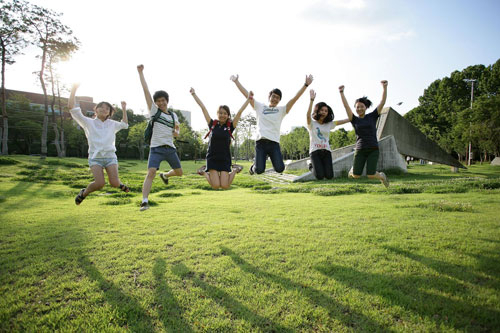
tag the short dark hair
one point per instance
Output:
(225, 108)
(111, 108)
(275, 91)
(365, 101)
(160, 93)
(329, 116)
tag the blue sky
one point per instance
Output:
(270, 43)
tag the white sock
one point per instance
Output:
(144, 199)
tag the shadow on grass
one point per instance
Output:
(335, 310)
(129, 311)
(232, 305)
(20, 190)
(171, 314)
(434, 298)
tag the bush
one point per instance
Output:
(8, 161)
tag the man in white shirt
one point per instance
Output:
(162, 146)
(269, 118)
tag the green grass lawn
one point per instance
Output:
(326, 256)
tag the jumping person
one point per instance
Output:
(269, 118)
(319, 127)
(162, 146)
(365, 126)
(101, 133)
(218, 171)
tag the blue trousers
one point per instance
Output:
(264, 148)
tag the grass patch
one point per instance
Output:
(307, 259)
(447, 206)
(8, 161)
(169, 195)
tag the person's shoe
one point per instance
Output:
(310, 167)
(79, 198)
(385, 181)
(350, 174)
(237, 168)
(250, 171)
(144, 206)
(164, 178)
(201, 171)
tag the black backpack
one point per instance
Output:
(148, 132)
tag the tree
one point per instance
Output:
(12, 41)
(246, 127)
(50, 35)
(444, 114)
(339, 138)
(31, 130)
(136, 137)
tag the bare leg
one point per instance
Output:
(214, 179)
(226, 179)
(174, 172)
(112, 172)
(98, 182)
(148, 182)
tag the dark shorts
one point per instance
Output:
(163, 153)
(368, 156)
(218, 165)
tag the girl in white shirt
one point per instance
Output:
(319, 127)
(100, 133)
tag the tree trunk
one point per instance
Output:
(61, 113)
(56, 140)
(43, 152)
(5, 131)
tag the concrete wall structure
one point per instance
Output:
(410, 140)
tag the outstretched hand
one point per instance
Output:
(140, 68)
(234, 78)
(124, 106)
(312, 93)
(75, 86)
(384, 83)
(341, 89)
(191, 91)
(309, 79)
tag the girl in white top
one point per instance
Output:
(100, 133)
(319, 127)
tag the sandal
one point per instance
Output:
(201, 171)
(237, 168)
(79, 198)
(124, 188)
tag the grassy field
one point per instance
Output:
(327, 256)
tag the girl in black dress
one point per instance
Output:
(219, 172)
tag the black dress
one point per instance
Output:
(219, 153)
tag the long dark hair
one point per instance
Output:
(329, 117)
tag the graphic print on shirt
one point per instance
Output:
(320, 136)
(269, 110)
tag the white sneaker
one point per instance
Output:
(144, 206)
(385, 181)
(350, 174)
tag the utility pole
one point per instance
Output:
(471, 100)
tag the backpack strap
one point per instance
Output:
(228, 124)
(214, 123)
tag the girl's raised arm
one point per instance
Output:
(243, 107)
(312, 94)
(346, 105)
(202, 106)
(124, 109)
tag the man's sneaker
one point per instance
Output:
(164, 178)
(250, 171)
(144, 206)
(350, 174)
(385, 181)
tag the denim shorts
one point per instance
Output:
(163, 153)
(103, 161)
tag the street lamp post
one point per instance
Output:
(471, 100)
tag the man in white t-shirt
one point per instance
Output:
(162, 146)
(269, 118)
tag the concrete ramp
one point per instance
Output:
(389, 158)
(410, 140)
